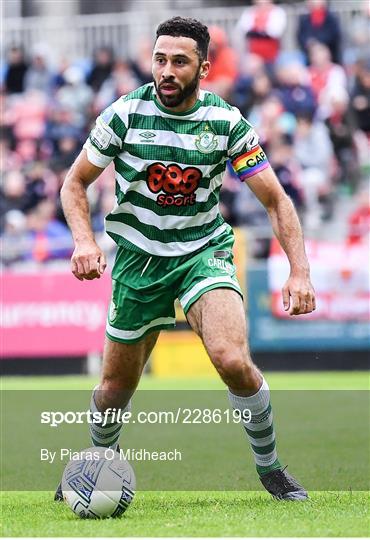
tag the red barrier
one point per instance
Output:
(52, 314)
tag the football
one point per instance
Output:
(98, 483)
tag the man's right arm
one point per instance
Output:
(88, 260)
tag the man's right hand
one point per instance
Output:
(88, 261)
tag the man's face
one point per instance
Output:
(176, 71)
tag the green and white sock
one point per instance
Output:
(106, 433)
(260, 429)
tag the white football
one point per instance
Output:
(98, 483)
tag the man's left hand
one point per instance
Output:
(298, 296)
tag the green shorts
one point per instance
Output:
(145, 288)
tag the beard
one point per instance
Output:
(182, 94)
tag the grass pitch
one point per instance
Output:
(194, 514)
(175, 513)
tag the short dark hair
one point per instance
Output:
(187, 27)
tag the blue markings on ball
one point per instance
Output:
(92, 470)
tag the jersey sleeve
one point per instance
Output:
(245, 153)
(105, 140)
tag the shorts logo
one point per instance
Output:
(112, 311)
(207, 141)
(177, 184)
(221, 264)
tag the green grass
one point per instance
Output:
(205, 513)
(194, 514)
(325, 380)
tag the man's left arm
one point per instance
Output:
(298, 292)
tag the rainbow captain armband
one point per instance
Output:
(250, 163)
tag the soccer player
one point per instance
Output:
(170, 142)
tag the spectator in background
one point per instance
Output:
(49, 238)
(326, 78)
(357, 36)
(13, 194)
(16, 70)
(341, 131)
(314, 152)
(25, 190)
(359, 219)
(60, 174)
(285, 165)
(321, 25)
(40, 181)
(39, 76)
(260, 90)
(250, 67)
(141, 65)
(26, 115)
(75, 96)
(15, 242)
(9, 160)
(27, 150)
(224, 65)
(361, 97)
(62, 66)
(68, 149)
(59, 126)
(294, 89)
(101, 69)
(263, 26)
(121, 81)
(272, 121)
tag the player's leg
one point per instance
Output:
(140, 307)
(218, 317)
(123, 364)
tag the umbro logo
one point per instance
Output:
(148, 136)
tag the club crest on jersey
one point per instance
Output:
(206, 142)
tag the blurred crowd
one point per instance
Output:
(310, 106)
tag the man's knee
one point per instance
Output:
(234, 365)
(227, 358)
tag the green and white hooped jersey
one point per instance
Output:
(169, 168)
